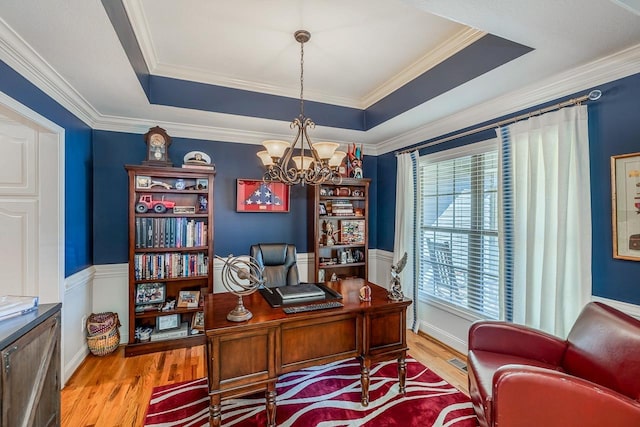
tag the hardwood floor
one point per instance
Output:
(113, 391)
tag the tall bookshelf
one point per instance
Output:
(170, 255)
(341, 229)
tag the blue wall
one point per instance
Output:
(614, 128)
(78, 167)
(234, 232)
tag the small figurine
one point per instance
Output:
(365, 293)
(395, 290)
(334, 277)
(329, 234)
(355, 156)
(203, 203)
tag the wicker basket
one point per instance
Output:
(104, 335)
(99, 323)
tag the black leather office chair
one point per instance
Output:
(279, 263)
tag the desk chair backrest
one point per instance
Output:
(278, 261)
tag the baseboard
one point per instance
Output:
(451, 341)
(75, 362)
(436, 341)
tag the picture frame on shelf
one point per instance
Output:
(150, 293)
(188, 299)
(198, 321)
(202, 184)
(259, 196)
(322, 209)
(625, 206)
(170, 321)
(143, 182)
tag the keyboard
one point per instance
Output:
(312, 307)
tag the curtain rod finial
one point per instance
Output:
(595, 95)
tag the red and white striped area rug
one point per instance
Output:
(326, 396)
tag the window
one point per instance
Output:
(458, 222)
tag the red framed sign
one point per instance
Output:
(259, 196)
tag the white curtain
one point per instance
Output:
(407, 208)
(551, 218)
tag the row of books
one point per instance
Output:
(339, 207)
(170, 265)
(170, 232)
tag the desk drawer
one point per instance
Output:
(328, 338)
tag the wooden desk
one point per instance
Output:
(247, 357)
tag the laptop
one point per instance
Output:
(303, 291)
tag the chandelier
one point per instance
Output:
(288, 162)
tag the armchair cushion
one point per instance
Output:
(278, 261)
(519, 376)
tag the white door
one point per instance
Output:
(30, 244)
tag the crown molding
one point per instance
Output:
(210, 133)
(17, 53)
(613, 67)
(139, 25)
(453, 45)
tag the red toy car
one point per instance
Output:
(159, 206)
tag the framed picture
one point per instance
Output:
(143, 182)
(625, 206)
(260, 196)
(150, 293)
(202, 183)
(167, 322)
(322, 208)
(198, 321)
(188, 299)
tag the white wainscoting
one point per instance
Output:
(76, 306)
(109, 293)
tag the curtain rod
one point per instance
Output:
(591, 96)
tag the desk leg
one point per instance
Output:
(365, 364)
(402, 374)
(215, 411)
(270, 397)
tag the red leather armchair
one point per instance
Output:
(522, 377)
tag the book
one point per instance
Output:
(303, 290)
(12, 305)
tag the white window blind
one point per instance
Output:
(459, 244)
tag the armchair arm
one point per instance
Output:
(516, 340)
(526, 396)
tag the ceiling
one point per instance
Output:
(422, 67)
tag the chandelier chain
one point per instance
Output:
(301, 79)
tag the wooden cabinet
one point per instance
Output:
(341, 230)
(30, 381)
(170, 256)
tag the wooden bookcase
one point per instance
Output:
(170, 251)
(341, 229)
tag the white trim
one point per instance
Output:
(625, 307)
(444, 337)
(453, 45)
(29, 64)
(79, 279)
(604, 70)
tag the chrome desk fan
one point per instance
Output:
(241, 276)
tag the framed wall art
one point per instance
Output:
(260, 196)
(625, 206)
